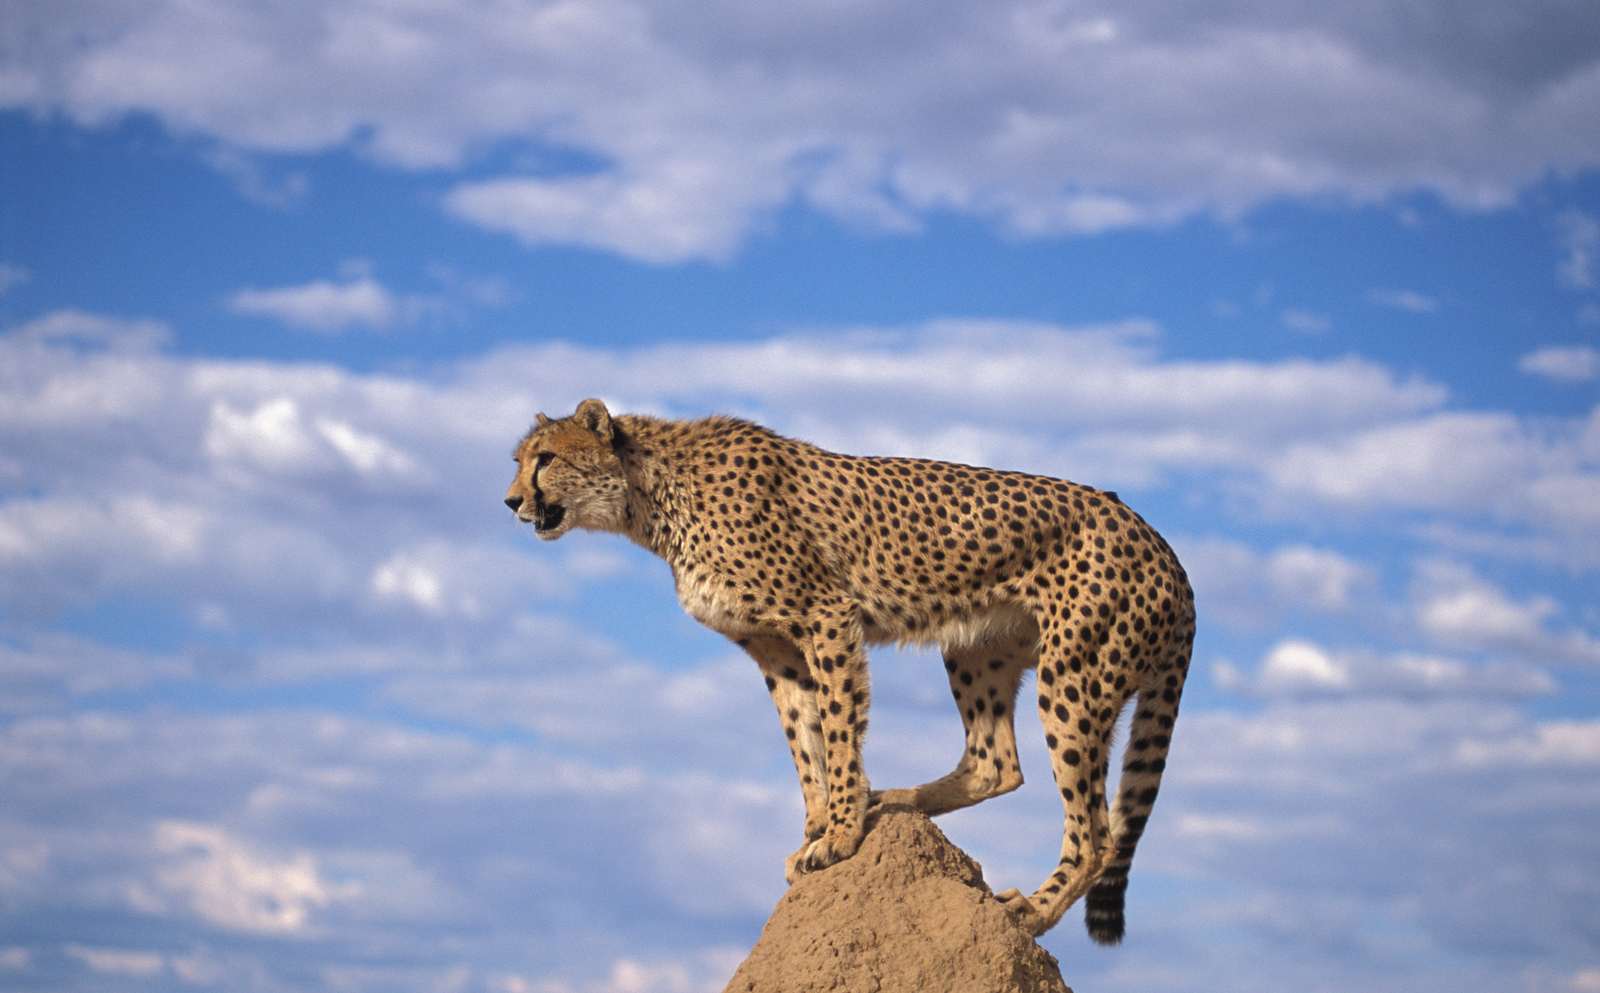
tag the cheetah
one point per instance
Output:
(804, 557)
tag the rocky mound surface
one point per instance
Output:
(909, 912)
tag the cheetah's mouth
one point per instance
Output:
(547, 516)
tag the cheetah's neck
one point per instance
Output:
(656, 454)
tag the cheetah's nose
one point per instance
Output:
(513, 502)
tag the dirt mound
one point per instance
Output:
(909, 912)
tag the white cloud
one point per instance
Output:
(12, 275)
(278, 438)
(1128, 411)
(1417, 303)
(119, 962)
(80, 328)
(254, 180)
(1580, 236)
(661, 217)
(229, 885)
(1305, 322)
(1563, 365)
(402, 578)
(591, 700)
(1301, 665)
(360, 300)
(51, 667)
(478, 581)
(1546, 475)
(1574, 743)
(1245, 590)
(1295, 667)
(271, 434)
(1460, 609)
(322, 305)
(353, 831)
(706, 118)
(708, 973)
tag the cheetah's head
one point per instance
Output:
(569, 475)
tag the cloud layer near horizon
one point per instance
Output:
(672, 131)
(451, 742)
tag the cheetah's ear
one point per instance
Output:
(543, 421)
(593, 415)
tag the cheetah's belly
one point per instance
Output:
(978, 626)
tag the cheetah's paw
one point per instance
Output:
(815, 855)
(1027, 915)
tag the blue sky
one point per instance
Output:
(287, 702)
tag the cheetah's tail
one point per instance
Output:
(1145, 759)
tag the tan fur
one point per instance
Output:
(804, 557)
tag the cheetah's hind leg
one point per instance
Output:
(983, 680)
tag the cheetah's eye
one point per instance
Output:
(543, 459)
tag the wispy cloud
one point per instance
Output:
(1305, 322)
(12, 275)
(1416, 303)
(1580, 238)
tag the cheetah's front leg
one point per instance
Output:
(839, 666)
(794, 692)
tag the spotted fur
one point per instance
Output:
(804, 557)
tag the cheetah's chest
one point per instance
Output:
(707, 598)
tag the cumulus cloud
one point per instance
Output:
(1569, 743)
(1471, 462)
(457, 849)
(1296, 667)
(322, 305)
(276, 437)
(1247, 590)
(1574, 364)
(1340, 777)
(661, 217)
(349, 831)
(358, 300)
(1461, 609)
(703, 119)
(230, 886)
